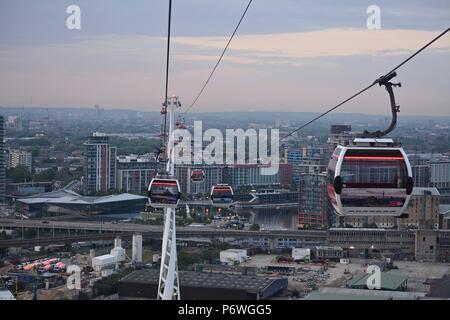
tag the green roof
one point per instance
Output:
(389, 281)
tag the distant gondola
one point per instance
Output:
(197, 176)
(222, 195)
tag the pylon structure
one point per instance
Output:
(169, 287)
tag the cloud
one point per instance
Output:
(318, 44)
(302, 71)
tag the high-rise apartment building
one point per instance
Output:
(134, 173)
(314, 205)
(440, 178)
(255, 175)
(100, 164)
(20, 158)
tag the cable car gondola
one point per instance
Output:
(197, 176)
(222, 195)
(371, 176)
(164, 193)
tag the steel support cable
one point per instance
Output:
(220, 59)
(368, 87)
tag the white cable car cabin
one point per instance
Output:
(197, 176)
(371, 177)
(222, 195)
(164, 193)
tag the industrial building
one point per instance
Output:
(70, 202)
(388, 281)
(303, 254)
(322, 253)
(143, 284)
(104, 265)
(233, 256)
(136, 248)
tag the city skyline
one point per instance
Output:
(301, 56)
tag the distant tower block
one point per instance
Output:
(137, 248)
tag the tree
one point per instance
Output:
(19, 174)
(46, 175)
(255, 227)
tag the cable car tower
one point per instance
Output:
(164, 192)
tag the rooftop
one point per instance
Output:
(71, 197)
(210, 280)
(234, 250)
(105, 257)
(389, 281)
(440, 288)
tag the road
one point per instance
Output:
(156, 231)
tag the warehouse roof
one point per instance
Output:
(104, 257)
(440, 287)
(71, 197)
(234, 250)
(389, 281)
(203, 279)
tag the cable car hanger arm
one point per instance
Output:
(385, 81)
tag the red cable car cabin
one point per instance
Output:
(164, 193)
(197, 176)
(367, 179)
(222, 195)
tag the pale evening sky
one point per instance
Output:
(287, 55)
